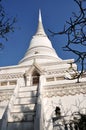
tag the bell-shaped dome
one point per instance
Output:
(40, 47)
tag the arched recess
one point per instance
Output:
(35, 77)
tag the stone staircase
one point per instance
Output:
(23, 112)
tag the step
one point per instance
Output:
(15, 117)
(27, 94)
(20, 126)
(23, 108)
(7, 88)
(25, 100)
(25, 89)
(29, 86)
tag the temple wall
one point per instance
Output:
(67, 104)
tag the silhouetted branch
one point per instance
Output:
(6, 23)
(75, 30)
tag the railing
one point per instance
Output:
(9, 107)
(15, 94)
(61, 124)
(39, 124)
(38, 111)
(67, 126)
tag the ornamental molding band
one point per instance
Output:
(11, 75)
(64, 90)
(50, 72)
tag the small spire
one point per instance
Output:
(40, 29)
(40, 18)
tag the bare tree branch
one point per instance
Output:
(6, 24)
(75, 31)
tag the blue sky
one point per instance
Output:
(54, 15)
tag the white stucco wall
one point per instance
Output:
(68, 105)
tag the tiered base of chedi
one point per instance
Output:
(40, 92)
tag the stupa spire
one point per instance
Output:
(40, 47)
(40, 29)
(40, 18)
